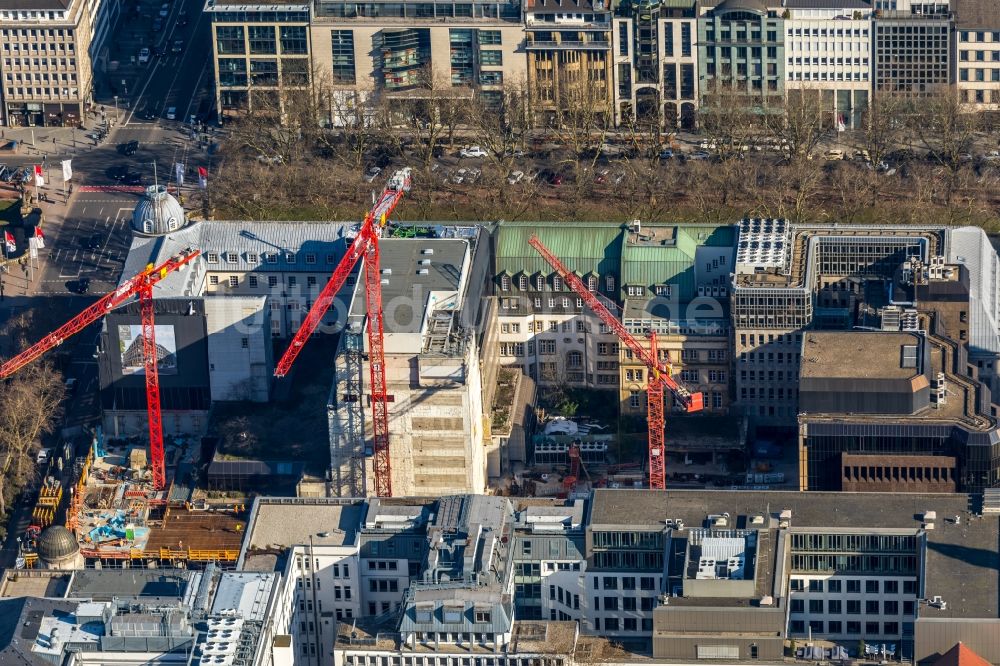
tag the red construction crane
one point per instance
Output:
(142, 284)
(365, 245)
(659, 373)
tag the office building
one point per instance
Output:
(51, 52)
(569, 61)
(656, 71)
(977, 57)
(828, 46)
(741, 49)
(353, 55)
(912, 46)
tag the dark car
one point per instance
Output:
(160, 51)
(82, 286)
(157, 24)
(133, 179)
(118, 172)
(93, 242)
(148, 114)
(128, 148)
(550, 177)
(178, 46)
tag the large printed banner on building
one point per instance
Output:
(130, 346)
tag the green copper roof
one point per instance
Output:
(584, 247)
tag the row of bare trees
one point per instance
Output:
(30, 408)
(320, 177)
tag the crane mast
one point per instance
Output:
(659, 375)
(141, 285)
(364, 247)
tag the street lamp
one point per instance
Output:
(116, 109)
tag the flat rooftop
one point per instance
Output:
(963, 558)
(34, 583)
(107, 584)
(857, 355)
(276, 525)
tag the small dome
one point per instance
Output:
(758, 6)
(57, 543)
(158, 212)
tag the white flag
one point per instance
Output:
(179, 168)
(67, 170)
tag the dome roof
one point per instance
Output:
(749, 5)
(158, 212)
(57, 543)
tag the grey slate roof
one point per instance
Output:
(292, 243)
(976, 14)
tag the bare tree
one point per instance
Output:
(727, 117)
(883, 125)
(30, 408)
(947, 131)
(801, 124)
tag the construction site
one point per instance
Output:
(120, 519)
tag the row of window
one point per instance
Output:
(979, 36)
(979, 56)
(311, 258)
(968, 74)
(39, 47)
(626, 624)
(852, 606)
(857, 62)
(726, 52)
(43, 77)
(253, 281)
(827, 32)
(836, 627)
(261, 40)
(71, 93)
(770, 357)
(541, 283)
(626, 604)
(39, 62)
(624, 582)
(35, 33)
(851, 585)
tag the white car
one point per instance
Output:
(172, 113)
(143, 56)
(515, 177)
(164, 11)
(460, 176)
(473, 151)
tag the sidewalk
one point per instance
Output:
(47, 140)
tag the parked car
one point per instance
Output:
(698, 155)
(473, 176)
(178, 46)
(272, 159)
(834, 154)
(133, 179)
(43, 456)
(666, 154)
(372, 173)
(172, 113)
(164, 11)
(601, 176)
(157, 24)
(515, 177)
(472, 151)
(82, 286)
(93, 242)
(143, 55)
(550, 177)
(70, 385)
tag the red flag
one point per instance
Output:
(9, 242)
(203, 177)
(39, 238)
(39, 177)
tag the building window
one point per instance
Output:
(272, 280)
(343, 56)
(490, 58)
(262, 40)
(609, 283)
(252, 280)
(685, 39)
(504, 283)
(293, 40)
(234, 281)
(213, 279)
(213, 257)
(489, 38)
(229, 40)
(633, 399)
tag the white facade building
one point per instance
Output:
(828, 47)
